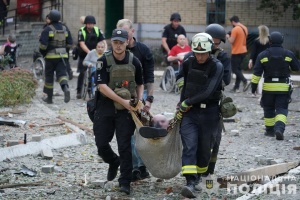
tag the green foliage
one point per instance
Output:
(17, 86)
(4, 60)
(277, 8)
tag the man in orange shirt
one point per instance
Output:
(237, 38)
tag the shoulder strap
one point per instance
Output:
(109, 58)
(243, 30)
(130, 58)
(96, 30)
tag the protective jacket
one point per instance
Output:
(276, 63)
(54, 41)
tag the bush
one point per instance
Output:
(17, 86)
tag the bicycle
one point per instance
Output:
(38, 66)
(89, 85)
(169, 78)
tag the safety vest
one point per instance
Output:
(58, 42)
(121, 75)
(84, 32)
(196, 78)
(276, 72)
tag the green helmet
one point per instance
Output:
(202, 40)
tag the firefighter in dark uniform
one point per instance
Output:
(199, 109)
(88, 38)
(218, 33)
(119, 79)
(275, 63)
(54, 42)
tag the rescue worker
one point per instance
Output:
(199, 109)
(143, 53)
(275, 63)
(88, 38)
(218, 33)
(119, 79)
(54, 41)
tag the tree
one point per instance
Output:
(278, 7)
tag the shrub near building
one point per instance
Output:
(17, 86)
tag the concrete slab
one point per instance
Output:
(72, 139)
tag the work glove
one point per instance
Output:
(180, 83)
(184, 106)
(178, 115)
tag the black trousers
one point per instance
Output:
(236, 65)
(55, 65)
(104, 128)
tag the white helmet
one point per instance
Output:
(202, 40)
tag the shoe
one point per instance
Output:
(67, 94)
(197, 183)
(269, 133)
(70, 73)
(47, 100)
(136, 175)
(279, 135)
(78, 96)
(246, 85)
(188, 191)
(233, 90)
(113, 170)
(125, 189)
(144, 172)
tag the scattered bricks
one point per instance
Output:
(48, 168)
(235, 132)
(47, 153)
(1, 137)
(98, 183)
(276, 161)
(12, 143)
(258, 158)
(36, 138)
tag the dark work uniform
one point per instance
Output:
(55, 61)
(108, 121)
(90, 39)
(199, 126)
(171, 34)
(275, 63)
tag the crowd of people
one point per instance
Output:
(124, 73)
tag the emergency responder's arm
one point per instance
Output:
(82, 43)
(44, 41)
(140, 91)
(295, 64)
(257, 72)
(138, 77)
(104, 89)
(164, 44)
(69, 40)
(213, 84)
(225, 60)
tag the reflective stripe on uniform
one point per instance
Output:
(43, 47)
(281, 118)
(189, 169)
(53, 55)
(62, 78)
(288, 59)
(201, 170)
(276, 87)
(269, 121)
(263, 60)
(255, 79)
(48, 85)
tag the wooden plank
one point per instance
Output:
(259, 173)
(76, 124)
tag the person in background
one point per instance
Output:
(275, 64)
(88, 37)
(237, 38)
(143, 53)
(54, 42)
(81, 19)
(260, 44)
(4, 5)
(178, 51)
(170, 34)
(9, 49)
